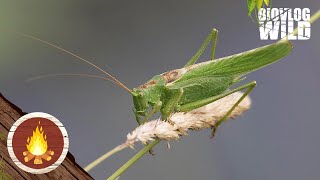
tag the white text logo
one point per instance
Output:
(275, 23)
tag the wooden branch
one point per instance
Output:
(69, 169)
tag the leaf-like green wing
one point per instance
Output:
(266, 2)
(246, 62)
(240, 64)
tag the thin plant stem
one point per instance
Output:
(104, 157)
(313, 18)
(134, 159)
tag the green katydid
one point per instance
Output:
(195, 85)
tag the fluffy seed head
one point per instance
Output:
(197, 119)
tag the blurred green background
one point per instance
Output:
(278, 138)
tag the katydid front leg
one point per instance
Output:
(136, 113)
(155, 108)
(172, 103)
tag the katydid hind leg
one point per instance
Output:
(203, 102)
(250, 87)
(214, 43)
(211, 37)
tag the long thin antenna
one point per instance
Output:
(74, 55)
(68, 74)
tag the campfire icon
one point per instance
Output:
(37, 147)
(37, 143)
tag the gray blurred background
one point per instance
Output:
(278, 138)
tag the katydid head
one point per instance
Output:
(140, 102)
(147, 95)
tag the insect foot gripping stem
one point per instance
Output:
(213, 131)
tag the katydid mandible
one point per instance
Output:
(194, 85)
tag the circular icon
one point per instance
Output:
(37, 142)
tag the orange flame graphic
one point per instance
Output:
(37, 147)
(37, 143)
